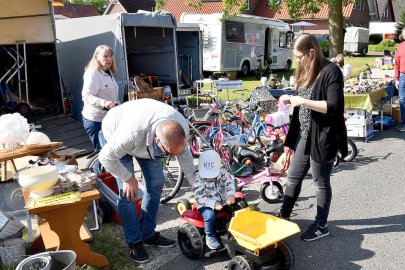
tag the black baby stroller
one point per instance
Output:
(262, 101)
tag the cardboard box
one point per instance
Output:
(357, 113)
(396, 114)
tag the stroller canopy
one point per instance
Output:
(262, 100)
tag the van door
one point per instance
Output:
(267, 43)
(275, 39)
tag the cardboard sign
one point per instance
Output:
(68, 197)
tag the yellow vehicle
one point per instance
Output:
(253, 239)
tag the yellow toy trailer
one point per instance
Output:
(252, 240)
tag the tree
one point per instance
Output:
(100, 5)
(399, 26)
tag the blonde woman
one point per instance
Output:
(317, 130)
(100, 91)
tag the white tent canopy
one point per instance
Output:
(26, 20)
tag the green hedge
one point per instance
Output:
(379, 48)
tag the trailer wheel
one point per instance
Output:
(288, 65)
(23, 108)
(239, 263)
(365, 51)
(190, 241)
(245, 69)
(284, 259)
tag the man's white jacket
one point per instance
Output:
(130, 129)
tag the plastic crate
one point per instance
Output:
(202, 114)
(108, 188)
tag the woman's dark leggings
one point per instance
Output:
(321, 172)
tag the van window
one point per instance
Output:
(235, 32)
(283, 40)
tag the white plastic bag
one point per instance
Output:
(14, 129)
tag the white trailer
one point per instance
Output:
(237, 42)
(356, 40)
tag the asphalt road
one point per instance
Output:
(366, 221)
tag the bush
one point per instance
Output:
(375, 38)
(378, 48)
(387, 43)
(324, 44)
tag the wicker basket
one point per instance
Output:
(11, 251)
(145, 90)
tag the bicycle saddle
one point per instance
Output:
(274, 145)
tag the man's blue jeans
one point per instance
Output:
(136, 230)
(401, 93)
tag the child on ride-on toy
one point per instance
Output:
(212, 188)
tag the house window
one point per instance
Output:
(362, 4)
(385, 14)
(248, 5)
(235, 32)
(277, 2)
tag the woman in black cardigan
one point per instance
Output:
(317, 130)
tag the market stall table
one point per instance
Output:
(365, 101)
(64, 222)
(31, 150)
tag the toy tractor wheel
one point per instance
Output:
(243, 203)
(239, 263)
(271, 194)
(284, 259)
(183, 205)
(190, 241)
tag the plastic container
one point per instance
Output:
(11, 251)
(254, 230)
(36, 263)
(60, 260)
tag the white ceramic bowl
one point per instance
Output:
(39, 180)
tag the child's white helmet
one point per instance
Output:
(209, 164)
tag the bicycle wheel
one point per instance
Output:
(262, 137)
(352, 153)
(91, 164)
(196, 143)
(173, 178)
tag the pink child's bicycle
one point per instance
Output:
(272, 186)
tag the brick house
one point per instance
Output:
(74, 11)
(354, 14)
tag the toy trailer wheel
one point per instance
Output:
(183, 205)
(271, 194)
(190, 241)
(239, 263)
(284, 259)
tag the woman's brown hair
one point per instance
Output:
(101, 49)
(305, 75)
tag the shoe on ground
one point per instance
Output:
(402, 129)
(212, 242)
(279, 215)
(138, 253)
(315, 232)
(159, 241)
